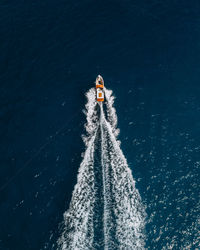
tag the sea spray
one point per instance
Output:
(106, 210)
(111, 112)
(78, 220)
(91, 116)
(127, 214)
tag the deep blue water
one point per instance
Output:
(149, 54)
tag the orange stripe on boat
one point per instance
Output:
(99, 86)
(100, 99)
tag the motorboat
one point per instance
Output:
(99, 88)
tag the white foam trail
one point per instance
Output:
(122, 198)
(123, 216)
(78, 225)
(105, 186)
(78, 220)
(111, 111)
(91, 115)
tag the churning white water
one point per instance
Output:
(106, 211)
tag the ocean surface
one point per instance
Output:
(148, 53)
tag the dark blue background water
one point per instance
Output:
(149, 54)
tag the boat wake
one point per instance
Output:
(106, 211)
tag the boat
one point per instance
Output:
(99, 88)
